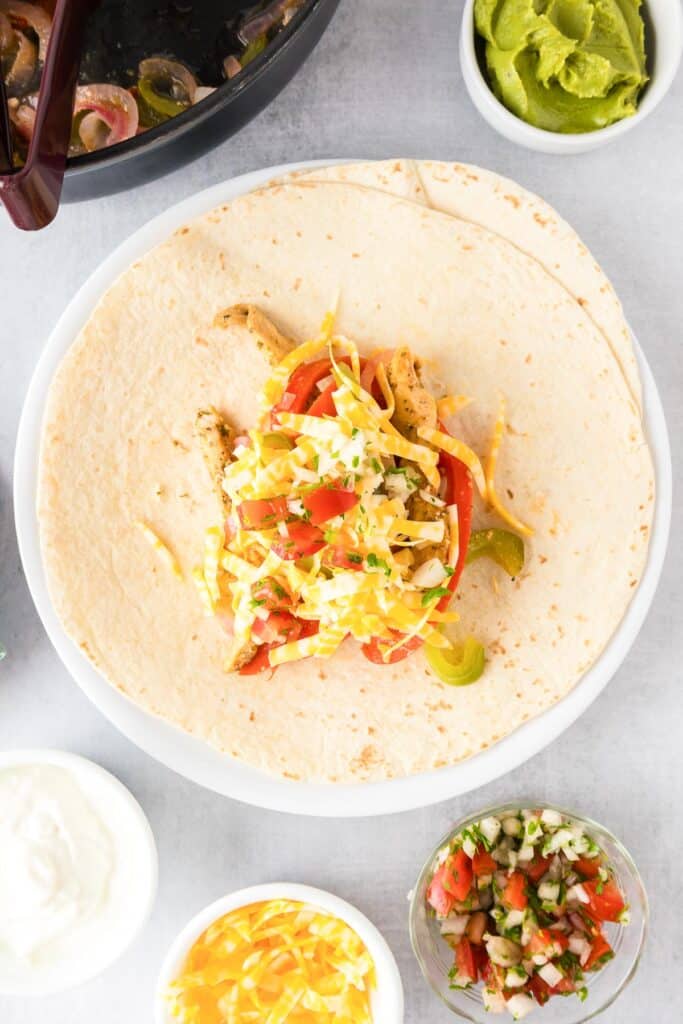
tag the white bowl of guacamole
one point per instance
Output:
(566, 76)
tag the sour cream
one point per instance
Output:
(56, 857)
(77, 870)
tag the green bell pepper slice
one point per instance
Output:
(257, 46)
(504, 547)
(154, 106)
(460, 665)
(276, 440)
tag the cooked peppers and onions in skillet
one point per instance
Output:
(523, 900)
(108, 112)
(348, 512)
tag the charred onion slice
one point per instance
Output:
(23, 15)
(112, 115)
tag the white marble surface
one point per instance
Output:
(380, 84)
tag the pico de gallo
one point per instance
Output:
(348, 513)
(523, 899)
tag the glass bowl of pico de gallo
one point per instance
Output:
(528, 909)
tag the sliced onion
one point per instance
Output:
(6, 33)
(35, 17)
(231, 66)
(23, 115)
(255, 26)
(24, 65)
(113, 106)
(179, 80)
(202, 92)
(430, 574)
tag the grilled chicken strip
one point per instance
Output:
(216, 439)
(268, 338)
(415, 408)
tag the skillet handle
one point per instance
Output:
(31, 194)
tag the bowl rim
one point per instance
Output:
(152, 139)
(505, 122)
(592, 826)
(389, 982)
(191, 757)
(84, 767)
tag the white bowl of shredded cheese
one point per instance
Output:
(266, 979)
(78, 871)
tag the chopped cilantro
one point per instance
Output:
(376, 465)
(449, 570)
(355, 461)
(378, 563)
(355, 432)
(355, 558)
(257, 604)
(316, 463)
(432, 594)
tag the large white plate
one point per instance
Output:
(195, 759)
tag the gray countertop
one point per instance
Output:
(378, 85)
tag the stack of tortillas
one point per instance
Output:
(499, 296)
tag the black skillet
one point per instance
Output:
(198, 32)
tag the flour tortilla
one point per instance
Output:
(118, 447)
(522, 218)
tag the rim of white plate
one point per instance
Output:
(195, 759)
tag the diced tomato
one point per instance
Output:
(329, 501)
(587, 868)
(564, 987)
(300, 386)
(514, 894)
(271, 595)
(461, 870)
(476, 926)
(536, 868)
(560, 941)
(302, 539)
(600, 948)
(481, 957)
(439, 895)
(278, 628)
(483, 863)
(493, 976)
(262, 513)
(340, 558)
(324, 403)
(464, 960)
(549, 943)
(605, 900)
(259, 663)
(374, 649)
(539, 989)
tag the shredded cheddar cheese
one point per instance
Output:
(164, 552)
(276, 962)
(491, 462)
(325, 540)
(452, 404)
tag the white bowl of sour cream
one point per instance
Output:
(78, 871)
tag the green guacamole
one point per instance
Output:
(565, 65)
